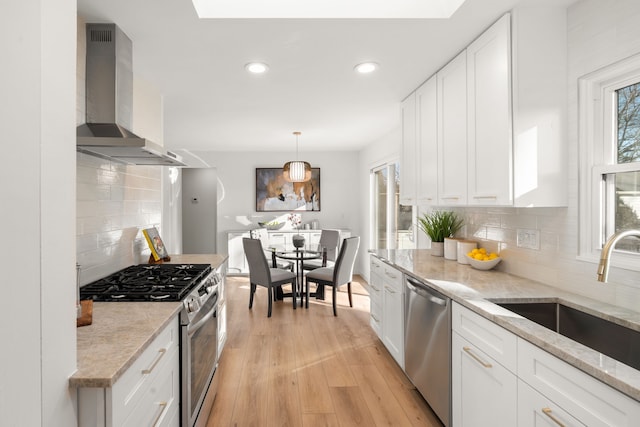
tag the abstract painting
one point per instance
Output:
(275, 194)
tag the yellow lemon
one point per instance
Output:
(478, 256)
(482, 250)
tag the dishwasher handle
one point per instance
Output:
(419, 289)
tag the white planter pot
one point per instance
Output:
(437, 248)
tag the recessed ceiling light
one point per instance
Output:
(366, 67)
(256, 67)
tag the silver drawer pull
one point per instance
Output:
(393, 276)
(164, 406)
(162, 351)
(391, 290)
(480, 361)
(373, 287)
(375, 318)
(485, 197)
(547, 412)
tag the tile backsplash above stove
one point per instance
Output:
(113, 203)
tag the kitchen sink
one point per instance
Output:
(616, 341)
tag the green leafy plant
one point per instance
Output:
(440, 224)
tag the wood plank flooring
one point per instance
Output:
(305, 367)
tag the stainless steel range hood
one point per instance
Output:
(109, 108)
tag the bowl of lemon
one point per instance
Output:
(480, 259)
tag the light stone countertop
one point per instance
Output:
(477, 289)
(121, 331)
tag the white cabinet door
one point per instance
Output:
(452, 132)
(489, 139)
(427, 133)
(393, 314)
(484, 393)
(237, 260)
(408, 163)
(535, 410)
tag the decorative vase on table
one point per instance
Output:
(298, 241)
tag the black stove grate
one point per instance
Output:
(147, 282)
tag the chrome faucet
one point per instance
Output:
(603, 267)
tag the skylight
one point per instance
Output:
(334, 9)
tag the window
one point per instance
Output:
(609, 141)
(391, 222)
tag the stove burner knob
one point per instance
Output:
(192, 305)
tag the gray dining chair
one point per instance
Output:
(340, 274)
(260, 274)
(329, 241)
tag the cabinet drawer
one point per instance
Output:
(492, 339)
(160, 402)
(129, 390)
(590, 401)
(535, 410)
(392, 278)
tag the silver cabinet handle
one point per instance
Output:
(393, 276)
(480, 361)
(485, 197)
(391, 290)
(375, 318)
(164, 406)
(373, 287)
(547, 412)
(161, 352)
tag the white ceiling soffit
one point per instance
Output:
(335, 9)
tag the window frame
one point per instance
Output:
(597, 145)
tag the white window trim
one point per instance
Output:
(595, 154)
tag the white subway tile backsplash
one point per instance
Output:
(114, 203)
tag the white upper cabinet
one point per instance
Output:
(408, 161)
(427, 135)
(490, 166)
(452, 132)
(539, 64)
(500, 119)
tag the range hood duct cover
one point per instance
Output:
(109, 103)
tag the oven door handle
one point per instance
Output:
(192, 328)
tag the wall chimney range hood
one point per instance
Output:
(109, 103)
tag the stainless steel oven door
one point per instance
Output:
(199, 340)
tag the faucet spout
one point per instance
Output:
(605, 256)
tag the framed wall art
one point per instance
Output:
(275, 194)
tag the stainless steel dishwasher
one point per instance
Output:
(427, 342)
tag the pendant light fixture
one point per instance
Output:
(297, 170)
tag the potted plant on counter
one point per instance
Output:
(439, 225)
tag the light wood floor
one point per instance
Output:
(306, 367)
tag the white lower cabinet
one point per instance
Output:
(588, 400)
(393, 313)
(535, 410)
(375, 295)
(484, 390)
(147, 393)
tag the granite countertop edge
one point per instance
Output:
(478, 290)
(122, 331)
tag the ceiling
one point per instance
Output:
(212, 103)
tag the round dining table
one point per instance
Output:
(298, 256)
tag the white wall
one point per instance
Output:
(339, 185)
(37, 254)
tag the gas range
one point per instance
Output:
(150, 282)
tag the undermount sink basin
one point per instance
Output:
(616, 341)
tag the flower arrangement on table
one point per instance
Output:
(295, 220)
